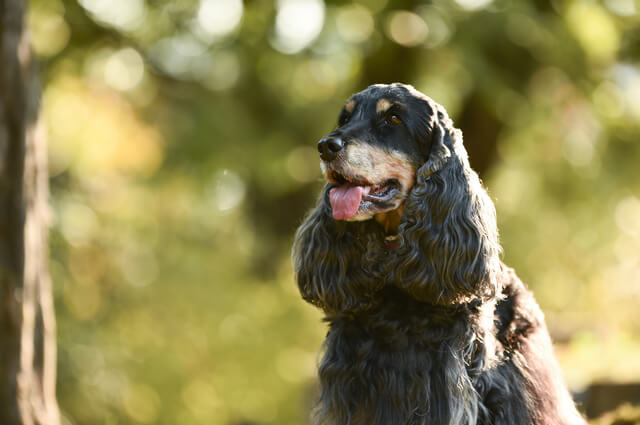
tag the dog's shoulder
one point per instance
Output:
(517, 314)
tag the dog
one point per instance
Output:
(426, 325)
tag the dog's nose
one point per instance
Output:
(330, 147)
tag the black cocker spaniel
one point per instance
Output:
(426, 325)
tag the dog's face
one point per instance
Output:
(371, 159)
(397, 157)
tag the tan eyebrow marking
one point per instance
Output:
(383, 105)
(350, 106)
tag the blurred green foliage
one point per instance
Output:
(626, 414)
(182, 159)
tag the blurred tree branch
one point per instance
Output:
(27, 322)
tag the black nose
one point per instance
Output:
(330, 147)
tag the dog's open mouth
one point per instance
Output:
(351, 195)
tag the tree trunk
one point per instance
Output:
(27, 323)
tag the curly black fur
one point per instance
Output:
(449, 217)
(438, 330)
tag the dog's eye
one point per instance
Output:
(393, 119)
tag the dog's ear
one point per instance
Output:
(450, 250)
(334, 261)
(439, 154)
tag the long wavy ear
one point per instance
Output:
(450, 250)
(335, 262)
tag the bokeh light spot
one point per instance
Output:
(578, 151)
(628, 215)
(228, 190)
(582, 133)
(78, 222)
(439, 29)
(139, 266)
(175, 55)
(607, 99)
(124, 69)
(354, 23)
(201, 399)
(219, 17)
(50, 32)
(507, 188)
(126, 15)
(627, 79)
(622, 7)
(298, 23)
(594, 29)
(472, 5)
(141, 403)
(314, 80)
(406, 28)
(98, 144)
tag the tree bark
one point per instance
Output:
(27, 322)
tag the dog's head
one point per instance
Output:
(396, 157)
(371, 159)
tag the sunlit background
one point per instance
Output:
(182, 158)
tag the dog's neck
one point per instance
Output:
(430, 323)
(390, 220)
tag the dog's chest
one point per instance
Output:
(397, 367)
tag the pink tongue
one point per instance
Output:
(345, 200)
